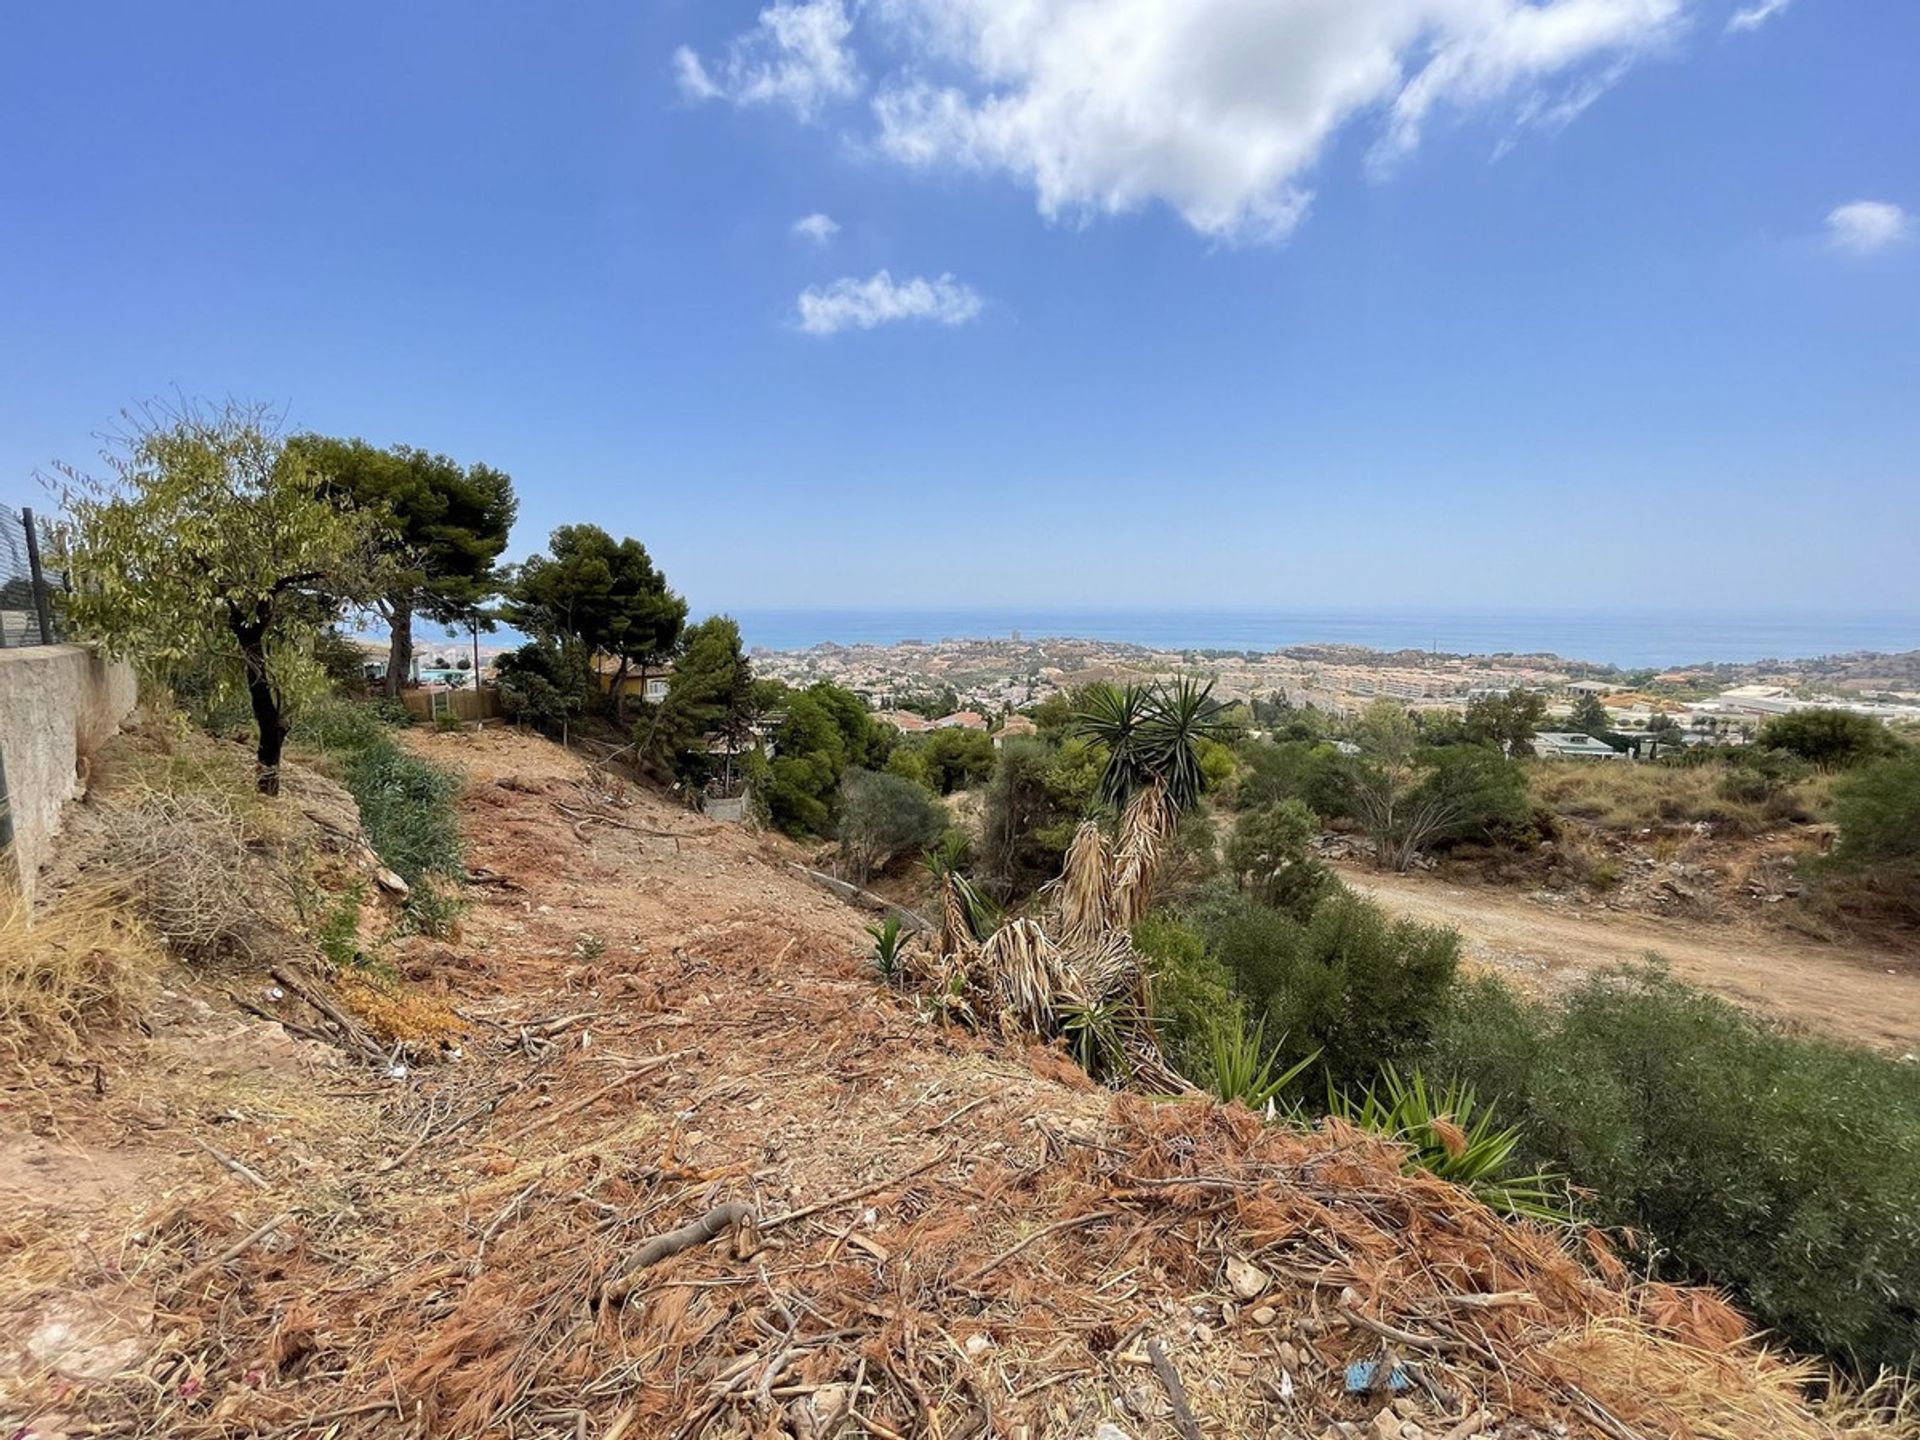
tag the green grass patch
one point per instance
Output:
(406, 804)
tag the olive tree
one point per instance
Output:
(209, 543)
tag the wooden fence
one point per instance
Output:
(467, 705)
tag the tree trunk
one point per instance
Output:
(267, 718)
(613, 692)
(399, 645)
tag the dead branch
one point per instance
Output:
(1176, 1391)
(715, 1222)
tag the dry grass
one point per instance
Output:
(81, 963)
(1621, 796)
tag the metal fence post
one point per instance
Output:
(41, 604)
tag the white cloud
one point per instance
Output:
(796, 55)
(818, 228)
(880, 300)
(1752, 17)
(1218, 108)
(1864, 226)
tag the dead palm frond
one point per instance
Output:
(1146, 827)
(1080, 893)
(1104, 969)
(1023, 968)
(966, 916)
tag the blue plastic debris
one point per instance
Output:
(1362, 1377)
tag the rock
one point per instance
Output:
(1265, 1315)
(1107, 1430)
(1288, 1356)
(1248, 1280)
(1386, 1425)
(977, 1345)
(814, 1417)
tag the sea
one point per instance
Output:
(1628, 638)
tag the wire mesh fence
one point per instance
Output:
(33, 587)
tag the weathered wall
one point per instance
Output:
(58, 703)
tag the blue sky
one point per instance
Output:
(1227, 302)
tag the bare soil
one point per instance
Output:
(1852, 992)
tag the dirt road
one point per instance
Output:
(1851, 993)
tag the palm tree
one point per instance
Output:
(1079, 973)
(1152, 735)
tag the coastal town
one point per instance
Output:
(977, 682)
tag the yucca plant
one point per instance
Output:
(1096, 1034)
(1240, 1067)
(889, 948)
(1452, 1135)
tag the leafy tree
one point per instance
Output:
(1590, 716)
(711, 696)
(1509, 721)
(821, 731)
(1269, 860)
(1312, 772)
(1410, 798)
(448, 524)
(604, 596)
(882, 816)
(1033, 804)
(1829, 739)
(956, 759)
(212, 541)
(544, 685)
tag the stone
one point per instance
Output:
(1265, 1315)
(1249, 1281)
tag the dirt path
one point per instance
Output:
(1854, 994)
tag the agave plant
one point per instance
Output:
(1096, 1032)
(1240, 1067)
(889, 948)
(1451, 1134)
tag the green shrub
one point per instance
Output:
(1268, 857)
(406, 804)
(338, 931)
(1348, 982)
(1312, 772)
(1785, 1169)
(882, 816)
(1830, 739)
(1878, 810)
(1192, 991)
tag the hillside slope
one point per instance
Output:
(646, 1022)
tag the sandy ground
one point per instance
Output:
(1851, 993)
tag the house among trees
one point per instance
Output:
(1014, 727)
(1572, 745)
(651, 686)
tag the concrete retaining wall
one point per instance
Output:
(58, 703)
